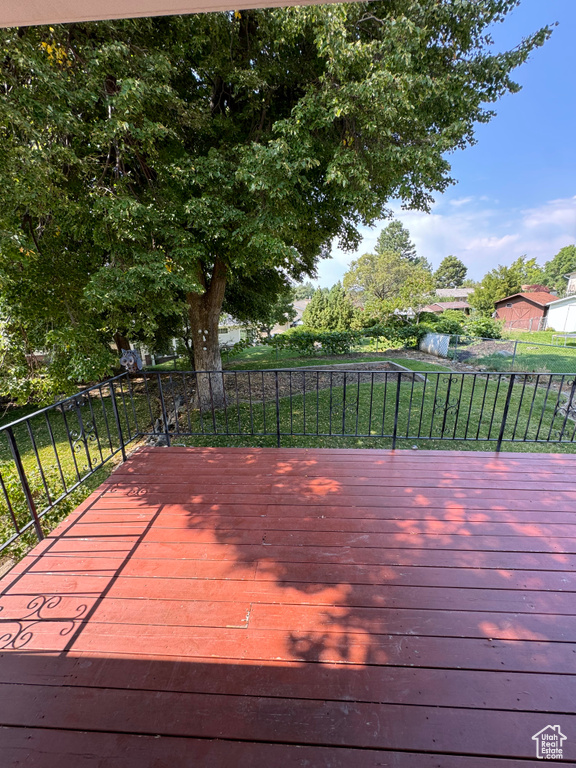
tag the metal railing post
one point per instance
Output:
(163, 406)
(505, 414)
(24, 481)
(117, 420)
(396, 409)
(277, 410)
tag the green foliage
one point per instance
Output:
(449, 325)
(505, 281)
(562, 264)
(396, 238)
(150, 164)
(230, 351)
(313, 315)
(306, 342)
(484, 328)
(329, 311)
(378, 278)
(451, 273)
(303, 291)
(254, 304)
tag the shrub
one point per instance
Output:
(451, 327)
(484, 327)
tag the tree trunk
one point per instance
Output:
(121, 342)
(204, 313)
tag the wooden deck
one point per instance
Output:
(272, 608)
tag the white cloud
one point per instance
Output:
(477, 230)
(461, 201)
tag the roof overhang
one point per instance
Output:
(30, 12)
(566, 300)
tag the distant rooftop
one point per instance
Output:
(454, 293)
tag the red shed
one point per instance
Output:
(524, 310)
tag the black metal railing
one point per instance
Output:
(46, 456)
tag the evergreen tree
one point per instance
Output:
(395, 238)
(451, 273)
(339, 313)
(314, 315)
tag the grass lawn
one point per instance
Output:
(55, 459)
(530, 355)
(436, 413)
(266, 357)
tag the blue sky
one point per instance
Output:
(516, 190)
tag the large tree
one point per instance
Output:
(557, 268)
(378, 276)
(451, 273)
(149, 161)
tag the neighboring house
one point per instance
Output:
(230, 331)
(441, 306)
(561, 314)
(526, 310)
(454, 293)
(571, 287)
(299, 307)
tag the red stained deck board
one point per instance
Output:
(292, 607)
(184, 558)
(126, 522)
(319, 488)
(336, 647)
(375, 684)
(42, 748)
(272, 719)
(301, 574)
(214, 591)
(329, 539)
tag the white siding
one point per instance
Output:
(562, 317)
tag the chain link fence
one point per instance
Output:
(513, 355)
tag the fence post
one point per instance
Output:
(277, 410)
(514, 355)
(24, 482)
(455, 358)
(117, 420)
(505, 414)
(396, 411)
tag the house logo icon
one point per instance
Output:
(549, 743)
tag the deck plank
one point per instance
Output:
(298, 607)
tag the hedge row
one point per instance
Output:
(305, 342)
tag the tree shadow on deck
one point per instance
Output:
(287, 599)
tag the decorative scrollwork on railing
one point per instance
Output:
(85, 437)
(37, 607)
(445, 406)
(82, 439)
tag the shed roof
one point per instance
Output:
(538, 297)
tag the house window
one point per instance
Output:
(509, 304)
